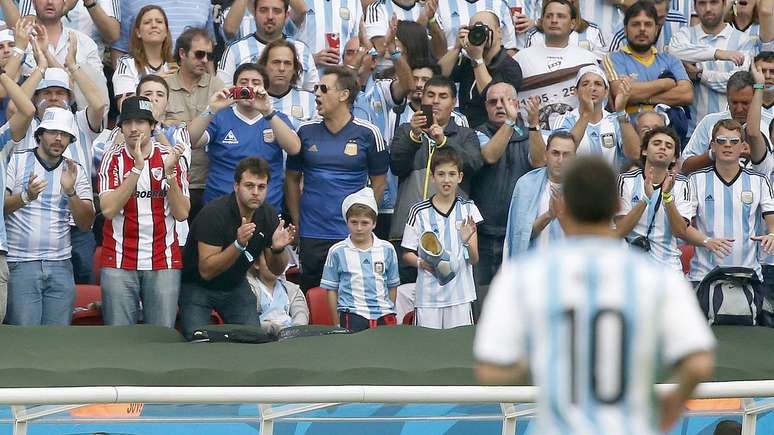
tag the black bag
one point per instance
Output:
(731, 296)
(232, 334)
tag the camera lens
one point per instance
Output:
(244, 93)
(478, 34)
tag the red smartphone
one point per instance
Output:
(333, 41)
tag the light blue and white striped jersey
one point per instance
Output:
(180, 14)
(671, 26)
(663, 243)
(603, 138)
(362, 278)
(606, 16)
(452, 14)
(691, 44)
(553, 232)
(423, 217)
(681, 9)
(379, 13)
(590, 39)
(79, 19)
(596, 321)
(126, 77)
(7, 146)
(699, 141)
(41, 229)
(728, 210)
(752, 32)
(330, 16)
(249, 48)
(298, 104)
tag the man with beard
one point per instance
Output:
(280, 60)
(711, 51)
(653, 77)
(667, 25)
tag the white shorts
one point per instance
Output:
(445, 317)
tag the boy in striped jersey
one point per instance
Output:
(554, 311)
(361, 272)
(655, 202)
(453, 221)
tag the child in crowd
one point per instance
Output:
(281, 303)
(361, 271)
(441, 238)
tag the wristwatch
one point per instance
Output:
(270, 115)
(478, 61)
(207, 112)
(510, 123)
(239, 247)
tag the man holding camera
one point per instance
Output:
(484, 61)
(243, 123)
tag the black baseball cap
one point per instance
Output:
(136, 108)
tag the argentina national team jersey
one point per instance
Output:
(7, 146)
(41, 229)
(606, 15)
(362, 278)
(603, 138)
(452, 14)
(692, 44)
(423, 217)
(78, 18)
(700, 140)
(330, 16)
(335, 165)
(663, 243)
(596, 321)
(248, 50)
(728, 210)
(379, 13)
(297, 104)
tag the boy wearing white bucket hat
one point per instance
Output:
(361, 271)
(45, 189)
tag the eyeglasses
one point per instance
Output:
(324, 88)
(722, 140)
(201, 54)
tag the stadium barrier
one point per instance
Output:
(310, 398)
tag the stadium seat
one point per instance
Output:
(319, 310)
(687, 252)
(87, 309)
(293, 275)
(408, 319)
(97, 263)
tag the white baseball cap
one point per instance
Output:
(56, 118)
(55, 77)
(364, 196)
(591, 69)
(6, 35)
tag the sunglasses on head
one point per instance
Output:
(201, 54)
(722, 140)
(324, 88)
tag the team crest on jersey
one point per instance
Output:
(344, 13)
(584, 45)
(747, 197)
(553, 62)
(350, 148)
(268, 135)
(297, 112)
(158, 173)
(377, 105)
(378, 267)
(608, 140)
(230, 138)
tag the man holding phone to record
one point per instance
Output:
(415, 142)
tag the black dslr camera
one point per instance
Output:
(641, 242)
(479, 34)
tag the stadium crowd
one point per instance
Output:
(394, 150)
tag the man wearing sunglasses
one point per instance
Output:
(190, 89)
(339, 155)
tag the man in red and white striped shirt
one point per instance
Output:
(143, 190)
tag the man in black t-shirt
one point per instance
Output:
(226, 237)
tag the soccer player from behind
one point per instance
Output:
(440, 302)
(143, 190)
(361, 271)
(641, 313)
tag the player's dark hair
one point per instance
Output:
(251, 67)
(739, 80)
(766, 56)
(185, 40)
(361, 210)
(728, 427)
(441, 81)
(659, 130)
(285, 4)
(560, 134)
(345, 79)
(568, 3)
(264, 59)
(590, 190)
(445, 155)
(152, 78)
(254, 165)
(648, 7)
